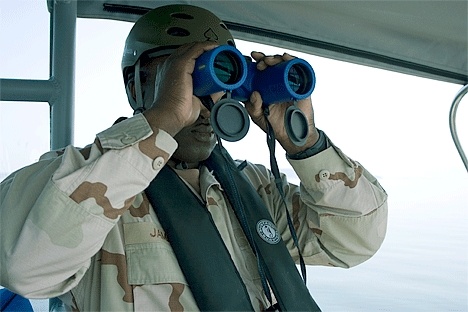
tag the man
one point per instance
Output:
(79, 225)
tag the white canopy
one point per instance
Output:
(423, 38)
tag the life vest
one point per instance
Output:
(182, 213)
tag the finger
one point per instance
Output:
(201, 47)
(273, 60)
(288, 57)
(257, 56)
(193, 50)
(254, 105)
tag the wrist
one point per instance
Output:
(320, 145)
(160, 120)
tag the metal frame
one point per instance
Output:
(453, 130)
(59, 89)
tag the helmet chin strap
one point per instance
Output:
(139, 104)
(207, 101)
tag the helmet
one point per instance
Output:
(165, 28)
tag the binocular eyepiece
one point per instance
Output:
(226, 69)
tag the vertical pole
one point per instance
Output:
(62, 72)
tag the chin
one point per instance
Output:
(190, 155)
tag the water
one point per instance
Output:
(422, 265)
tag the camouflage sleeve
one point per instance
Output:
(343, 205)
(55, 214)
(339, 211)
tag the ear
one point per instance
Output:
(131, 93)
(130, 88)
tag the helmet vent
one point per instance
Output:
(182, 16)
(178, 32)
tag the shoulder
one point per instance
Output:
(256, 173)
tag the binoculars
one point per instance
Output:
(226, 69)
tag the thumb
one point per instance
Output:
(254, 106)
(255, 109)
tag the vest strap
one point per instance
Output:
(283, 276)
(204, 259)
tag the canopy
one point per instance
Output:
(423, 38)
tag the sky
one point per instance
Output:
(396, 125)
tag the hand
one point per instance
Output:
(175, 106)
(277, 111)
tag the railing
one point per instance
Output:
(59, 89)
(453, 129)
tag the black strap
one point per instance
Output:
(206, 263)
(200, 250)
(285, 281)
(271, 142)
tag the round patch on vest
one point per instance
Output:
(268, 232)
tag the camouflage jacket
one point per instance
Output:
(78, 225)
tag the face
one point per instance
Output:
(195, 142)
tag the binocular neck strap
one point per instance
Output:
(271, 142)
(272, 254)
(207, 101)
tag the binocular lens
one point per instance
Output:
(298, 79)
(227, 67)
(221, 69)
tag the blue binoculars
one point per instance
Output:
(226, 69)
